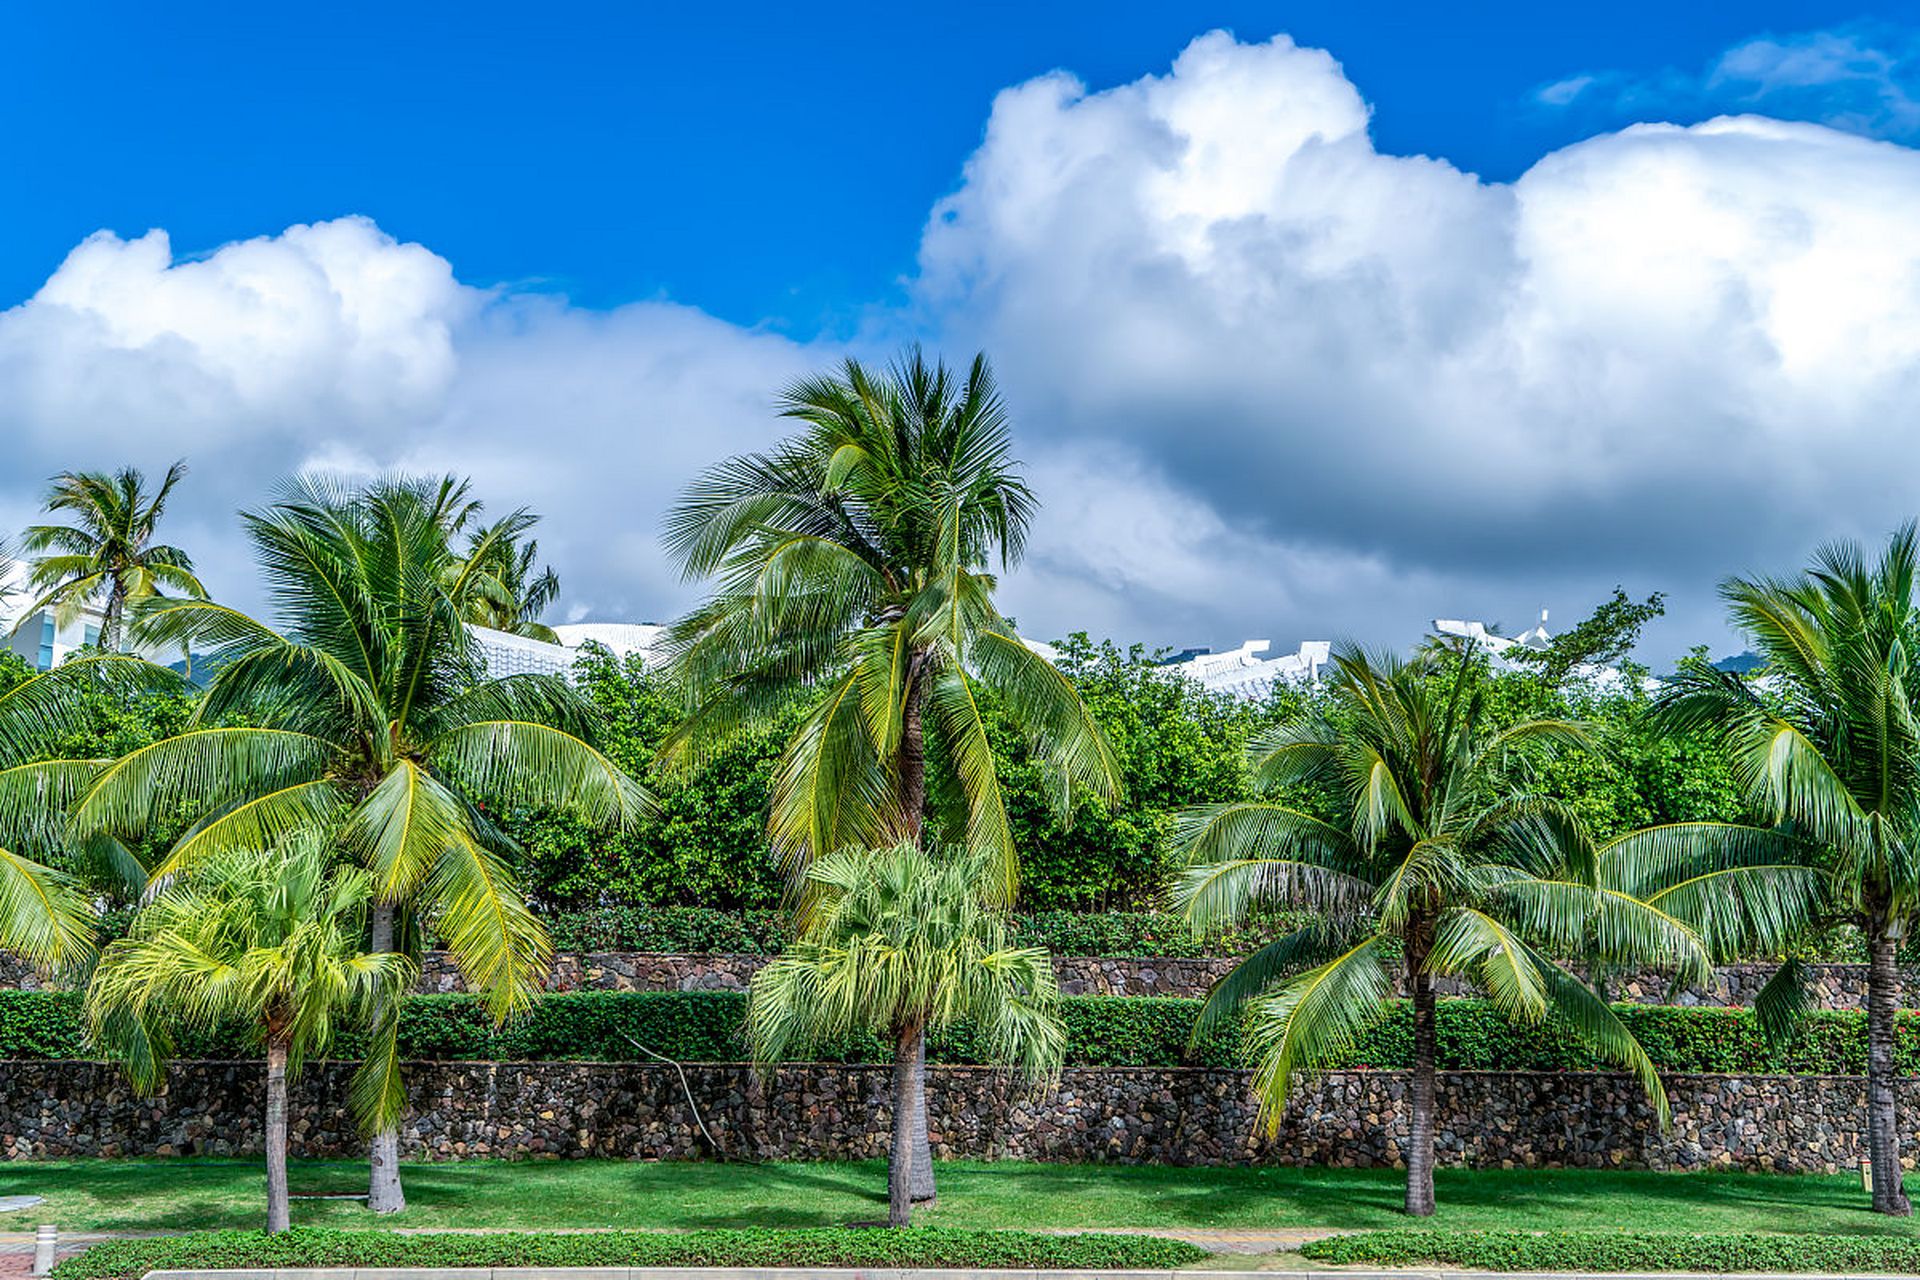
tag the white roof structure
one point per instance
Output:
(510, 655)
(1244, 674)
(1499, 650)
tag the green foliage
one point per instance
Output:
(790, 1247)
(1176, 745)
(1602, 638)
(1119, 1031)
(1622, 1251)
(707, 843)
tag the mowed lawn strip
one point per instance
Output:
(184, 1194)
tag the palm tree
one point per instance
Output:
(1443, 864)
(900, 943)
(852, 562)
(107, 554)
(367, 722)
(46, 915)
(271, 938)
(1829, 744)
(508, 589)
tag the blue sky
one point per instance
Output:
(767, 162)
(1315, 320)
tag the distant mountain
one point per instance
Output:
(1741, 664)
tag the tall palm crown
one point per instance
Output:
(369, 721)
(107, 554)
(1444, 865)
(855, 559)
(508, 589)
(272, 938)
(1829, 744)
(903, 942)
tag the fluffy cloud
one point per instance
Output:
(1658, 356)
(335, 346)
(1270, 380)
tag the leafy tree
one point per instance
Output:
(1441, 862)
(853, 559)
(900, 943)
(706, 841)
(369, 725)
(274, 939)
(107, 554)
(1830, 743)
(1604, 637)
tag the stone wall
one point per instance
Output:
(1836, 986)
(1126, 1115)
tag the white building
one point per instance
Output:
(1500, 651)
(38, 637)
(510, 655)
(1244, 674)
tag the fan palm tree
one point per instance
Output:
(107, 554)
(852, 561)
(369, 724)
(509, 589)
(900, 943)
(1829, 744)
(275, 939)
(1443, 865)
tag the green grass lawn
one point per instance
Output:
(162, 1195)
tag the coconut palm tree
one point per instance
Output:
(1829, 744)
(367, 721)
(1443, 866)
(853, 562)
(900, 943)
(107, 554)
(274, 939)
(509, 589)
(46, 914)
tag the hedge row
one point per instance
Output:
(785, 1247)
(1102, 1031)
(764, 932)
(1622, 1251)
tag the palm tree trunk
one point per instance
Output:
(906, 1100)
(1425, 1041)
(279, 1217)
(1883, 1121)
(384, 1192)
(913, 807)
(110, 616)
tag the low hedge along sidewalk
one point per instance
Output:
(796, 1247)
(1619, 1251)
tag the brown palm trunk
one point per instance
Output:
(1421, 1091)
(906, 1100)
(279, 1216)
(110, 616)
(1883, 1120)
(913, 809)
(384, 1192)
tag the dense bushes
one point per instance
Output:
(1102, 1031)
(787, 1247)
(763, 931)
(1622, 1251)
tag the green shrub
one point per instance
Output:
(1120, 1031)
(794, 1247)
(1620, 1251)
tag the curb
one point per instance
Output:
(940, 1273)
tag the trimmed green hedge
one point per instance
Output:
(793, 1247)
(1620, 1251)
(1101, 1031)
(764, 932)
